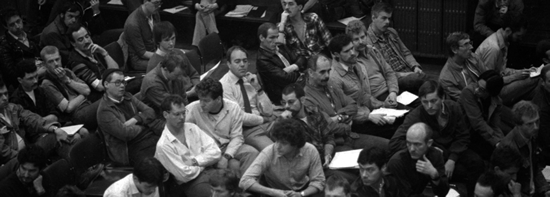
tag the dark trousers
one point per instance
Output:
(198, 187)
(467, 169)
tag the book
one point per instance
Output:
(406, 98)
(345, 160)
(71, 130)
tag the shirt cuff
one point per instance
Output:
(96, 83)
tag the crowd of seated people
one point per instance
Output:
(480, 129)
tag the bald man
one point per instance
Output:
(420, 163)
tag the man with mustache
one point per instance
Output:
(29, 180)
(88, 60)
(14, 46)
(56, 33)
(384, 38)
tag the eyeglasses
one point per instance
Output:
(118, 83)
(157, 3)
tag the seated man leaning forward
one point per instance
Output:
(29, 180)
(222, 120)
(144, 181)
(420, 163)
(290, 166)
(186, 151)
(129, 126)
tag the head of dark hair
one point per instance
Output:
(497, 181)
(337, 181)
(70, 191)
(429, 87)
(355, 27)
(69, 6)
(515, 24)
(25, 66)
(544, 72)
(294, 88)
(289, 130)
(225, 178)
(33, 154)
(524, 109)
(7, 13)
(542, 47)
(493, 80)
(381, 7)
(373, 155)
(338, 42)
(453, 40)
(173, 99)
(300, 2)
(312, 61)
(162, 30)
(506, 157)
(234, 48)
(209, 87)
(73, 29)
(174, 58)
(264, 27)
(150, 170)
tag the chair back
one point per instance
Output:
(211, 48)
(195, 59)
(87, 152)
(60, 174)
(115, 51)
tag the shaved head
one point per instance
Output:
(419, 139)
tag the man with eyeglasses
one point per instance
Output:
(129, 126)
(138, 32)
(462, 67)
(483, 108)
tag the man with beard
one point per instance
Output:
(88, 60)
(483, 108)
(518, 85)
(462, 67)
(384, 38)
(56, 33)
(29, 180)
(15, 46)
(138, 33)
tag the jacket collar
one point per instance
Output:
(339, 68)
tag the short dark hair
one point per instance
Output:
(69, 6)
(234, 48)
(289, 130)
(312, 61)
(514, 23)
(264, 27)
(25, 66)
(544, 71)
(429, 87)
(7, 13)
(497, 181)
(381, 7)
(494, 82)
(33, 154)
(163, 29)
(300, 2)
(150, 170)
(453, 39)
(173, 99)
(48, 50)
(108, 75)
(173, 59)
(355, 27)
(294, 88)
(70, 191)
(542, 47)
(373, 155)
(506, 157)
(209, 87)
(338, 42)
(75, 29)
(225, 178)
(336, 181)
(524, 108)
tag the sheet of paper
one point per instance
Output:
(115, 2)
(345, 21)
(453, 193)
(71, 130)
(207, 72)
(537, 72)
(406, 98)
(390, 112)
(176, 9)
(345, 159)
(128, 78)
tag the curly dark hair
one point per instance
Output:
(289, 130)
(209, 87)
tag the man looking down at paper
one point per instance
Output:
(450, 134)
(420, 163)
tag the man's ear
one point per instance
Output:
(165, 114)
(430, 142)
(303, 99)
(384, 168)
(454, 50)
(19, 80)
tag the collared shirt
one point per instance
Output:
(317, 36)
(493, 51)
(392, 48)
(283, 173)
(454, 77)
(126, 187)
(177, 157)
(232, 91)
(23, 39)
(337, 103)
(381, 77)
(225, 127)
(319, 130)
(352, 81)
(155, 87)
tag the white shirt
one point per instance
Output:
(177, 157)
(126, 187)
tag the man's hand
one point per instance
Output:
(95, 5)
(284, 18)
(515, 188)
(426, 167)
(291, 68)
(328, 159)
(449, 168)
(361, 116)
(253, 80)
(278, 193)
(222, 164)
(60, 74)
(41, 2)
(37, 184)
(293, 194)
(417, 69)
(96, 48)
(286, 114)
(130, 122)
(391, 100)
(378, 119)
(61, 135)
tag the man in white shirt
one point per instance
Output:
(185, 151)
(144, 182)
(222, 119)
(244, 88)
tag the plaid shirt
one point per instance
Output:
(317, 36)
(392, 48)
(320, 131)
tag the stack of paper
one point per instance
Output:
(176, 9)
(345, 159)
(240, 11)
(406, 98)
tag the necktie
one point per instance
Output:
(247, 107)
(283, 59)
